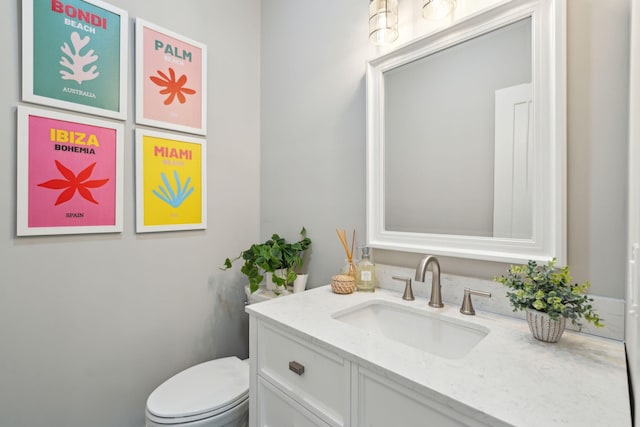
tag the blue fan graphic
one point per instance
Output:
(173, 198)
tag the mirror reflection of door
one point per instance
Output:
(513, 166)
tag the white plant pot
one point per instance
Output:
(300, 284)
(268, 281)
(543, 327)
(282, 273)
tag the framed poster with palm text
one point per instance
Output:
(171, 182)
(171, 80)
(69, 173)
(74, 56)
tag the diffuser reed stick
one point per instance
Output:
(353, 241)
(349, 252)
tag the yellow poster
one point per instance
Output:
(170, 182)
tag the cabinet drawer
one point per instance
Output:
(382, 403)
(314, 377)
(277, 410)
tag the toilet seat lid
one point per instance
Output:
(201, 389)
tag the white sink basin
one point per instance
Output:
(433, 333)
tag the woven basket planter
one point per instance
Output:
(343, 284)
(543, 327)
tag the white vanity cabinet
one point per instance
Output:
(321, 388)
(355, 377)
(295, 383)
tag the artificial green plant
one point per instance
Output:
(547, 289)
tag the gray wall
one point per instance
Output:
(598, 123)
(313, 135)
(91, 324)
(313, 124)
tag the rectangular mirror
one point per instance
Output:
(466, 138)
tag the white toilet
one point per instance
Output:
(211, 394)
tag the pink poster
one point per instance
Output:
(69, 174)
(171, 80)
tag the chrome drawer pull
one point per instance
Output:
(296, 367)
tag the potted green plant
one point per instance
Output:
(548, 297)
(275, 255)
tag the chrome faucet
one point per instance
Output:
(421, 269)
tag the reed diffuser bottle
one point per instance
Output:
(349, 268)
(365, 273)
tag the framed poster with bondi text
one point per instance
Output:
(74, 56)
(171, 80)
(69, 173)
(171, 182)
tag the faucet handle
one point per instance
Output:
(467, 306)
(408, 291)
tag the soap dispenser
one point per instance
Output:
(365, 273)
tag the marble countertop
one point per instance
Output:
(509, 378)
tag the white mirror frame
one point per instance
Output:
(548, 26)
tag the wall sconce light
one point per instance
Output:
(383, 21)
(437, 9)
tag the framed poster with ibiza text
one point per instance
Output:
(171, 182)
(171, 80)
(69, 173)
(74, 56)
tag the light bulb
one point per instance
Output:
(437, 9)
(383, 21)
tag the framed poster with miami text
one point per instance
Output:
(171, 80)
(74, 56)
(69, 173)
(171, 182)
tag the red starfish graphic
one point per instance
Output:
(71, 183)
(172, 86)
